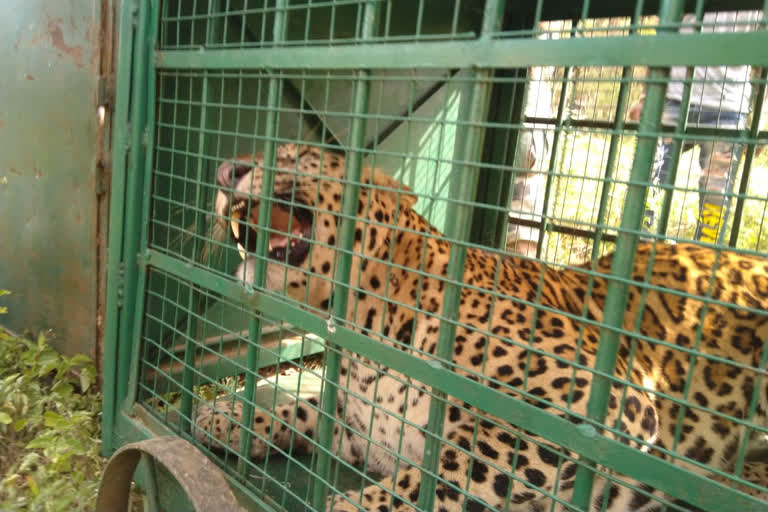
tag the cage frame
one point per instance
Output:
(130, 256)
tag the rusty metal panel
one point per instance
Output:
(49, 151)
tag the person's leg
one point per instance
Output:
(659, 176)
(527, 195)
(527, 204)
(661, 165)
(719, 162)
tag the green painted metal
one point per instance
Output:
(610, 166)
(670, 11)
(612, 159)
(181, 305)
(338, 310)
(149, 38)
(114, 367)
(677, 145)
(660, 50)
(193, 299)
(133, 281)
(474, 110)
(749, 156)
(51, 188)
(556, 143)
(627, 460)
(264, 222)
(495, 185)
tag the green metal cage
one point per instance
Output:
(595, 336)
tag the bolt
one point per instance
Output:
(587, 430)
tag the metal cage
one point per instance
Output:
(444, 254)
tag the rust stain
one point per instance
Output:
(13, 170)
(38, 173)
(57, 38)
(95, 35)
(2, 124)
(36, 40)
(29, 77)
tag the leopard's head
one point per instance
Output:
(305, 217)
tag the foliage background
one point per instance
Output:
(581, 156)
(50, 417)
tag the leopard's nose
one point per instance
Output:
(229, 171)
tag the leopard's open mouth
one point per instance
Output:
(290, 230)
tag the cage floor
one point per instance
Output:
(286, 480)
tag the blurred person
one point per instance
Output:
(534, 147)
(720, 98)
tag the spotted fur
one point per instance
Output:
(503, 338)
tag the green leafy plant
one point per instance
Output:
(49, 427)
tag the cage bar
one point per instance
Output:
(112, 368)
(613, 149)
(749, 156)
(660, 50)
(627, 460)
(189, 302)
(464, 189)
(260, 262)
(352, 173)
(632, 217)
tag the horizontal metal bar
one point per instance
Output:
(629, 127)
(224, 359)
(661, 50)
(582, 439)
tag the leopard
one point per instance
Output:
(689, 356)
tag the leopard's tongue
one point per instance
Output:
(278, 240)
(280, 221)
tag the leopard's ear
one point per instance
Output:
(387, 185)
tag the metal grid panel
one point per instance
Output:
(592, 374)
(243, 23)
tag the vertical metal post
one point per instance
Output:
(134, 267)
(507, 105)
(133, 195)
(261, 258)
(623, 260)
(613, 151)
(552, 169)
(677, 149)
(190, 347)
(749, 155)
(613, 148)
(464, 189)
(194, 299)
(345, 242)
(145, 193)
(677, 143)
(115, 313)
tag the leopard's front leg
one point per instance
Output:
(290, 425)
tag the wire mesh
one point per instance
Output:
(512, 187)
(243, 24)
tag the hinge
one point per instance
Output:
(135, 14)
(106, 91)
(121, 284)
(102, 185)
